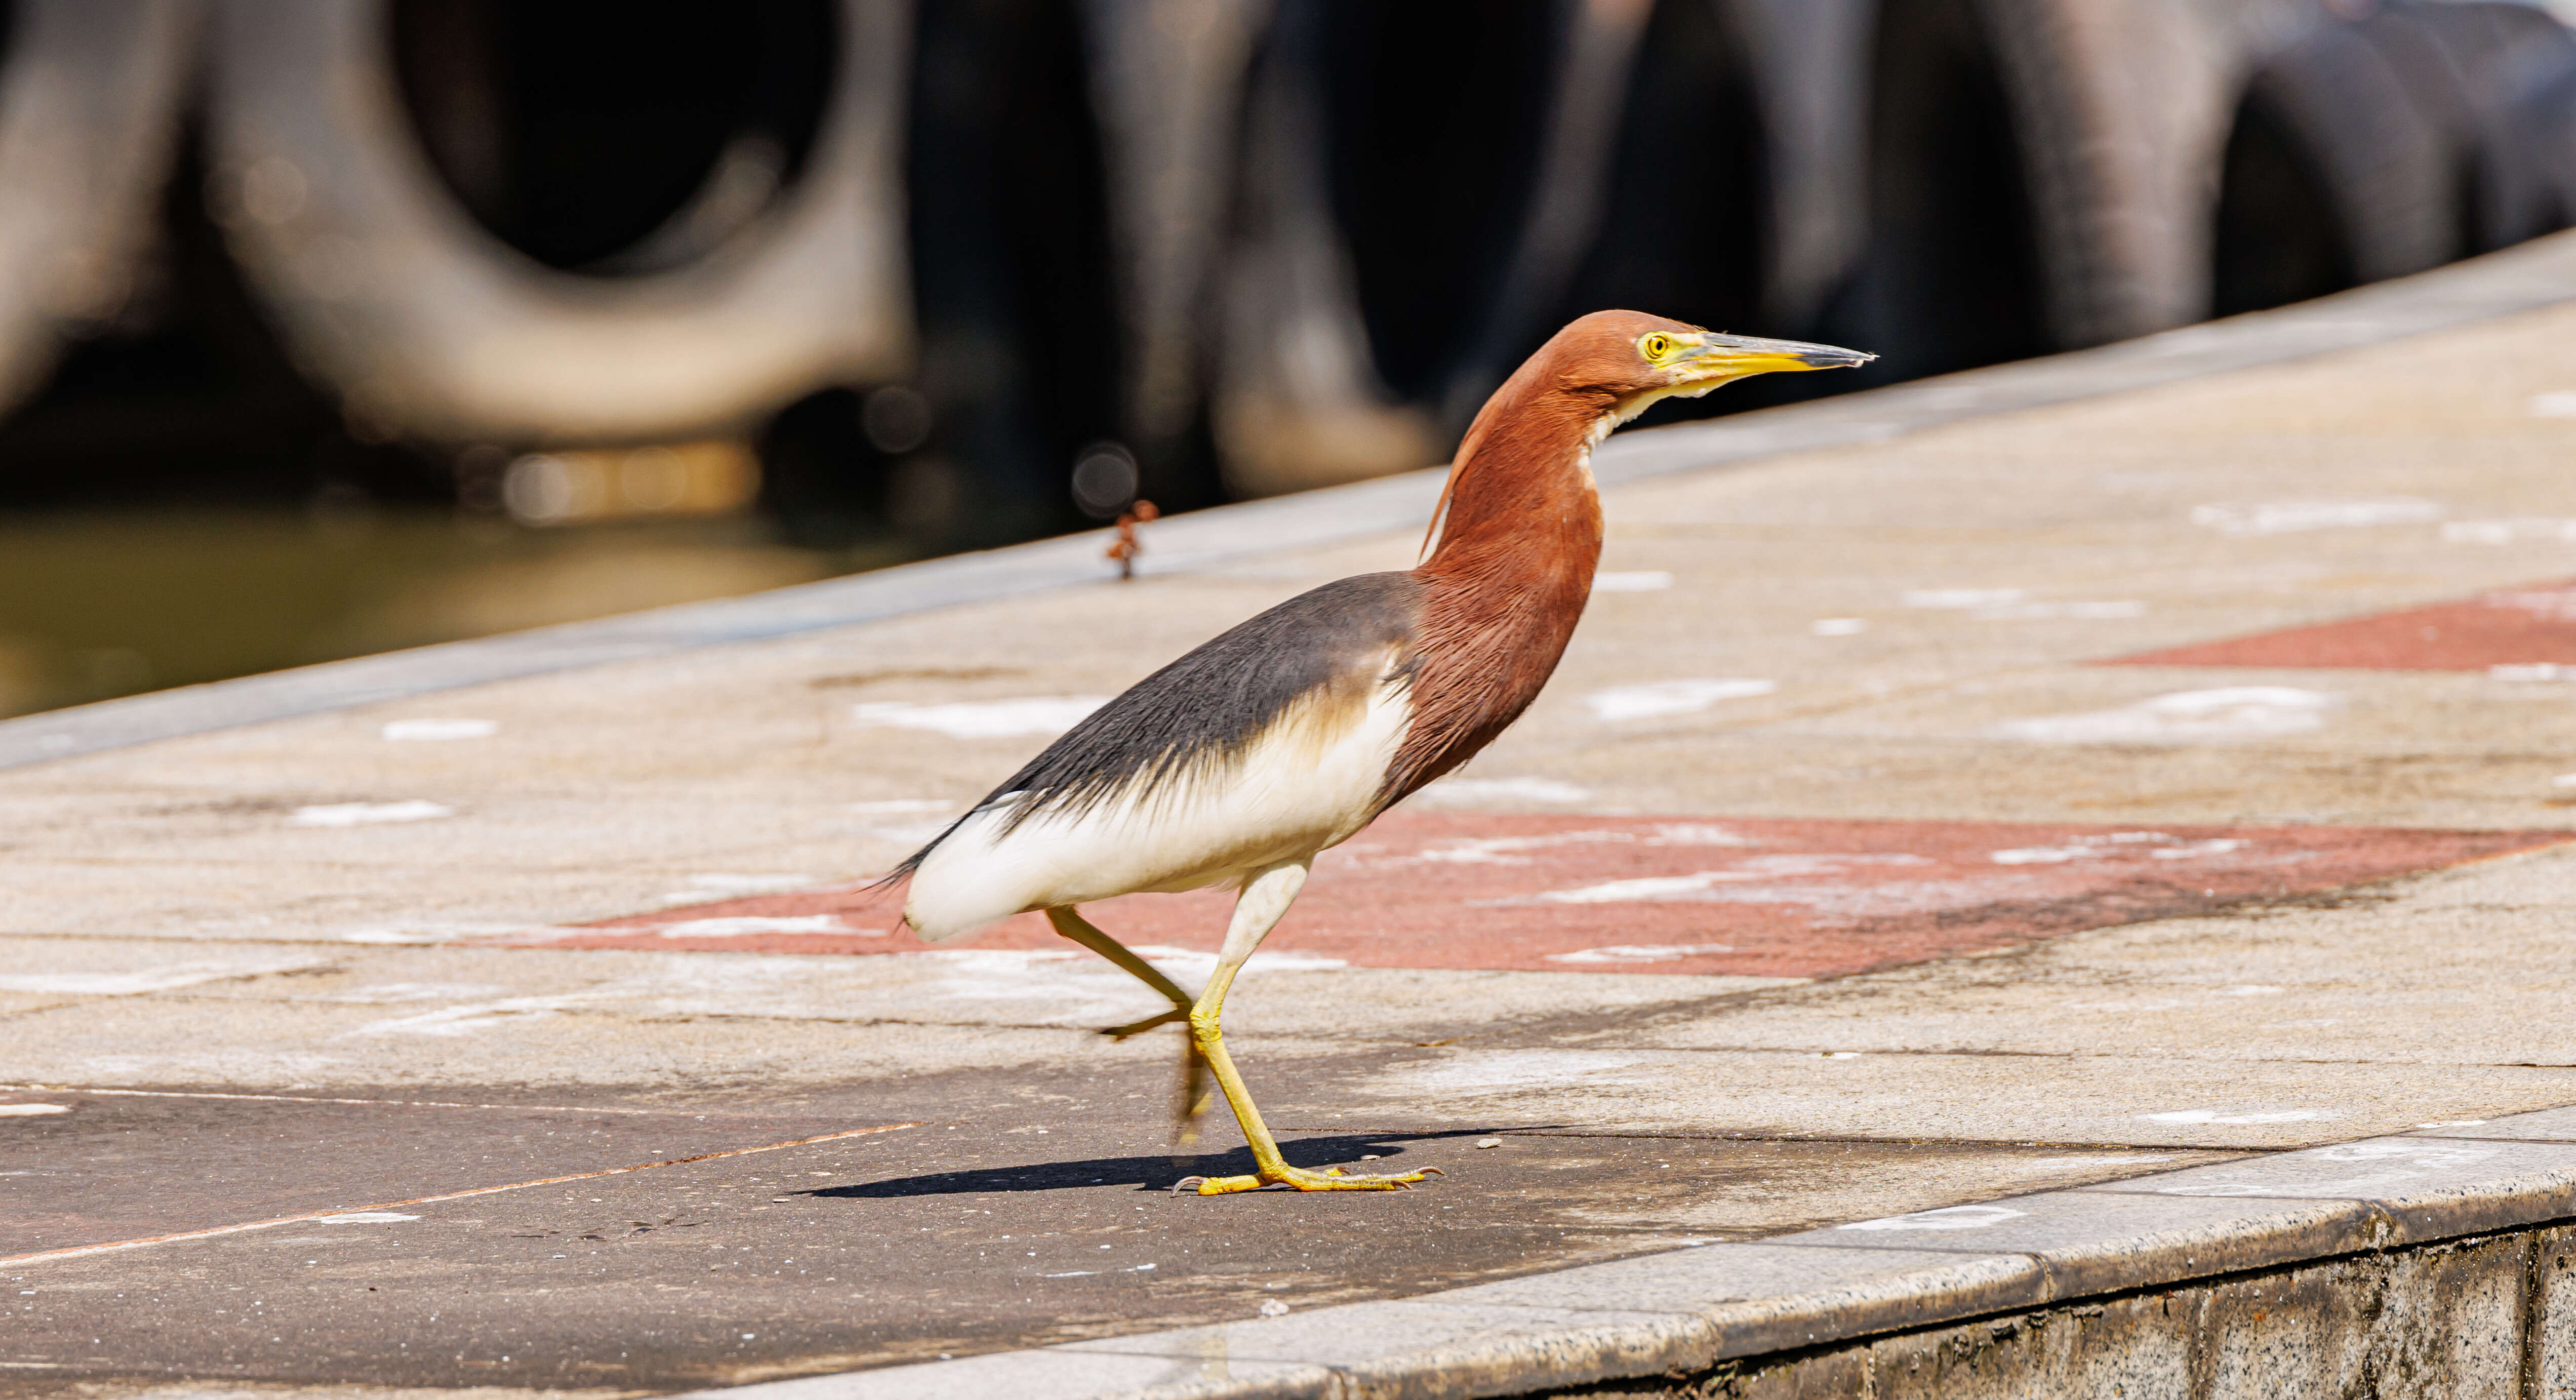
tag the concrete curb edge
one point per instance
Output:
(1688, 1310)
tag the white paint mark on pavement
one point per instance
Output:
(31, 1110)
(1194, 960)
(1503, 850)
(2544, 604)
(742, 925)
(1646, 888)
(1706, 884)
(1502, 790)
(1671, 697)
(446, 932)
(1640, 952)
(1643, 581)
(1946, 1218)
(435, 730)
(364, 1217)
(2558, 403)
(382, 993)
(368, 813)
(721, 882)
(2507, 531)
(2211, 1115)
(2155, 845)
(1697, 834)
(984, 719)
(1962, 597)
(2037, 612)
(2290, 517)
(2069, 1164)
(2186, 717)
(2387, 1167)
(167, 977)
(1838, 626)
(472, 1017)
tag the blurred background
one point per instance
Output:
(333, 326)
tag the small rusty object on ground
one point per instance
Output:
(1126, 547)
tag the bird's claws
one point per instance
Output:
(1217, 1185)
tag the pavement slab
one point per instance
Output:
(1011, 1218)
(1940, 809)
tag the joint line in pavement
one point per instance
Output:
(186, 1235)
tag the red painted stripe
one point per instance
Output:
(1754, 896)
(2530, 626)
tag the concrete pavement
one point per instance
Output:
(1874, 851)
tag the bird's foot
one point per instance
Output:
(1136, 1028)
(1329, 1179)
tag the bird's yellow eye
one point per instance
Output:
(1655, 347)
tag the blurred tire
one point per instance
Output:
(89, 99)
(1399, 251)
(1807, 62)
(1170, 84)
(1298, 399)
(2468, 67)
(427, 325)
(2334, 173)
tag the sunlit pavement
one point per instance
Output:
(2033, 800)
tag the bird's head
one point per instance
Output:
(1636, 360)
(1597, 373)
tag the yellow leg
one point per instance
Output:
(1265, 898)
(1193, 1096)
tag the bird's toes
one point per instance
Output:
(1217, 1185)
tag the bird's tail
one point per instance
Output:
(905, 868)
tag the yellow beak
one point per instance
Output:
(1717, 358)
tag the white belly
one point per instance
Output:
(1305, 784)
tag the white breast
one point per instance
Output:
(1306, 783)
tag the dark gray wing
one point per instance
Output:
(1206, 707)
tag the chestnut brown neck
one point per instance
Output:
(1504, 589)
(1523, 515)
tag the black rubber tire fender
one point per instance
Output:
(428, 326)
(89, 103)
(2386, 166)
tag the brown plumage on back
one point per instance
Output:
(1294, 729)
